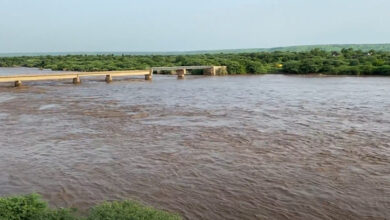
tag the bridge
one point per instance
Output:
(182, 70)
(76, 76)
(17, 79)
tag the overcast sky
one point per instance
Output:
(182, 25)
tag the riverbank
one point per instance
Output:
(32, 207)
(344, 62)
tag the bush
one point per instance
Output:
(128, 210)
(21, 207)
(366, 69)
(291, 67)
(348, 70)
(235, 68)
(32, 207)
(382, 70)
(255, 67)
(309, 66)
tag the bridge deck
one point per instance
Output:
(181, 71)
(182, 67)
(71, 75)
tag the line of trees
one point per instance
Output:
(345, 62)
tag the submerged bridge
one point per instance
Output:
(75, 76)
(182, 70)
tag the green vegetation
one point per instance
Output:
(345, 62)
(32, 207)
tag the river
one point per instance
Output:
(231, 147)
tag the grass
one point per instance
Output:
(32, 207)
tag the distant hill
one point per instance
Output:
(337, 47)
(328, 47)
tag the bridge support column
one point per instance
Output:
(181, 73)
(209, 71)
(150, 75)
(18, 83)
(108, 78)
(76, 80)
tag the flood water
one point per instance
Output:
(234, 147)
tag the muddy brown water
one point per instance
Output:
(235, 147)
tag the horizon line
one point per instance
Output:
(189, 51)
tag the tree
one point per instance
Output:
(255, 67)
(235, 67)
(291, 67)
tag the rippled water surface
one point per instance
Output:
(238, 147)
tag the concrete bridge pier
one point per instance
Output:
(150, 75)
(18, 83)
(181, 73)
(215, 70)
(108, 78)
(76, 80)
(209, 71)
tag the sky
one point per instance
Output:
(185, 25)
